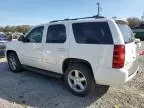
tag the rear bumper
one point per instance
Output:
(109, 76)
(132, 75)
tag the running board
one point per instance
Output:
(44, 72)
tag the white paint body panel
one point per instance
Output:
(51, 56)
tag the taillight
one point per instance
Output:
(118, 56)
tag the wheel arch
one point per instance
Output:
(10, 51)
(69, 61)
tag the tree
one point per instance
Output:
(26, 28)
(7, 29)
(1, 29)
(134, 21)
(22, 29)
(12, 29)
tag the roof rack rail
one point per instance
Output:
(56, 21)
(96, 16)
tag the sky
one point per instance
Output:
(33, 12)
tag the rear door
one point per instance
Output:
(55, 47)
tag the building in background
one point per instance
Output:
(139, 31)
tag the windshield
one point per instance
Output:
(127, 33)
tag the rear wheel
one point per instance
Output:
(14, 63)
(79, 79)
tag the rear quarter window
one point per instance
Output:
(127, 33)
(92, 33)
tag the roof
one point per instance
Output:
(85, 19)
(94, 17)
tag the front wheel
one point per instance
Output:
(14, 63)
(79, 79)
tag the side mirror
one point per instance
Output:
(21, 38)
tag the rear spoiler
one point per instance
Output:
(121, 21)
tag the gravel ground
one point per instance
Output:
(29, 89)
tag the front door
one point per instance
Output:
(31, 49)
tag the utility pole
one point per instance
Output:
(98, 9)
(143, 18)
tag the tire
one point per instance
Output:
(14, 63)
(85, 78)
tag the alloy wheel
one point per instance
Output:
(77, 81)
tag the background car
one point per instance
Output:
(3, 41)
(139, 32)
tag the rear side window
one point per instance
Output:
(56, 34)
(92, 33)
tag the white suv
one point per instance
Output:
(84, 50)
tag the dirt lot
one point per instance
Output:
(29, 89)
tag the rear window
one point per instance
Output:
(127, 33)
(92, 33)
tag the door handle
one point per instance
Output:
(61, 49)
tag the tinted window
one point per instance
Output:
(35, 36)
(56, 34)
(92, 33)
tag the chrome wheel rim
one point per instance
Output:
(77, 81)
(12, 62)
